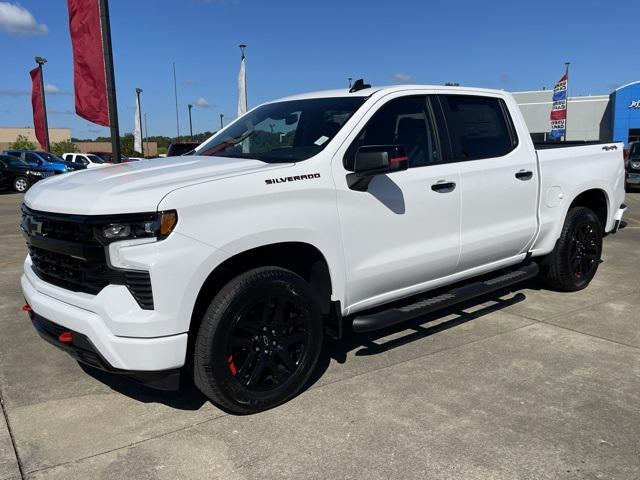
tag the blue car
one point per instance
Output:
(44, 160)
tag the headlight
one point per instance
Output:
(635, 164)
(158, 225)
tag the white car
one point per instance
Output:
(306, 216)
(87, 159)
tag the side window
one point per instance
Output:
(32, 158)
(479, 127)
(81, 159)
(404, 121)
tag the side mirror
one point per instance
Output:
(376, 160)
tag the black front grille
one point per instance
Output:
(65, 230)
(64, 252)
(72, 273)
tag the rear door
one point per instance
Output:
(499, 184)
(405, 229)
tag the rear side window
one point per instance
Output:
(479, 127)
(32, 158)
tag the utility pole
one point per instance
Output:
(190, 124)
(221, 124)
(41, 61)
(111, 80)
(138, 92)
(566, 112)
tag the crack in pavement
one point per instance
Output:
(13, 440)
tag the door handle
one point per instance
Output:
(442, 186)
(524, 175)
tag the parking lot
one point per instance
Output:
(530, 384)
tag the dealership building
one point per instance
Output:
(613, 117)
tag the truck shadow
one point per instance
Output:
(365, 344)
(374, 343)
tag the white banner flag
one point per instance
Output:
(137, 129)
(242, 88)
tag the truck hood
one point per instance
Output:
(134, 186)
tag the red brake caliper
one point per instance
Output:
(232, 367)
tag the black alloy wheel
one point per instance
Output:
(575, 259)
(267, 342)
(585, 250)
(259, 341)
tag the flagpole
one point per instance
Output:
(111, 80)
(242, 57)
(138, 92)
(41, 61)
(566, 112)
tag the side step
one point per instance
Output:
(369, 322)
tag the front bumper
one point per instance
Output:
(120, 353)
(633, 178)
(82, 349)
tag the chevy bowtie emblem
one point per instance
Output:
(31, 226)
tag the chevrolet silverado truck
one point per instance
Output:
(358, 208)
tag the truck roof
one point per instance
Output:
(366, 92)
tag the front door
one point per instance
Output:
(405, 229)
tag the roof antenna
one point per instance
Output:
(359, 85)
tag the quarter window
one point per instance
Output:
(479, 127)
(405, 121)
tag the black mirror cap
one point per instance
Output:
(375, 160)
(378, 159)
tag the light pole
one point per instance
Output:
(350, 79)
(138, 92)
(190, 124)
(221, 124)
(41, 61)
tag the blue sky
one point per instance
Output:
(296, 46)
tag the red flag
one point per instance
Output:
(89, 78)
(39, 123)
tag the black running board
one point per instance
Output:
(369, 322)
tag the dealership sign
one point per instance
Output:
(634, 104)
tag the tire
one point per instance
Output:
(576, 256)
(259, 341)
(21, 184)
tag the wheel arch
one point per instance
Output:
(302, 258)
(595, 199)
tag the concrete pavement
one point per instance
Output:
(530, 385)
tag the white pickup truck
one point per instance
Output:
(360, 208)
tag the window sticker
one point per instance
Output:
(322, 140)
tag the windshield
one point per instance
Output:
(634, 151)
(94, 158)
(287, 131)
(50, 157)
